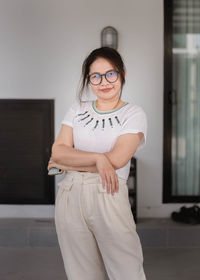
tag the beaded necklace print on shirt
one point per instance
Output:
(86, 118)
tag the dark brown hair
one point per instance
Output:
(109, 54)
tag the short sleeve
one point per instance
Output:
(70, 114)
(136, 121)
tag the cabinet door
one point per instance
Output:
(26, 136)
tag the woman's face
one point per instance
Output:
(105, 90)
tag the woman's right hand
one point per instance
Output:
(107, 173)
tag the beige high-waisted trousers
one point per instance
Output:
(96, 230)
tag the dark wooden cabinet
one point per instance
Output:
(26, 137)
(132, 187)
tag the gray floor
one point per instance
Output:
(46, 263)
(29, 250)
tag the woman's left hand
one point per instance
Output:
(52, 163)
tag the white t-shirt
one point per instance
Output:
(97, 131)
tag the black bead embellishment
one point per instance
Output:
(117, 120)
(84, 118)
(110, 122)
(89, 121)
(97, 121)
(81, 114)
(103, 123)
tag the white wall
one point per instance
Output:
(42, 46)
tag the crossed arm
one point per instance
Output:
(65, 157)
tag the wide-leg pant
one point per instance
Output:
(96, 230)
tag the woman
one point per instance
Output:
(94, 223)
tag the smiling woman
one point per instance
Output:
(105, 81)
(95, 145)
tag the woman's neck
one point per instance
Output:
(108, 105)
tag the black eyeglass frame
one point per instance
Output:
(104, 76)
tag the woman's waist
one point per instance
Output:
(87, 177)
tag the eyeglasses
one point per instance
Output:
(96, 78)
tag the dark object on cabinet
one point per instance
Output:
(132, 187)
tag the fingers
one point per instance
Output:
(49, 166)
(51, 163)
(108, 174)
(104, 183)
(114, 184)
(110, 181)
(108, 184)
